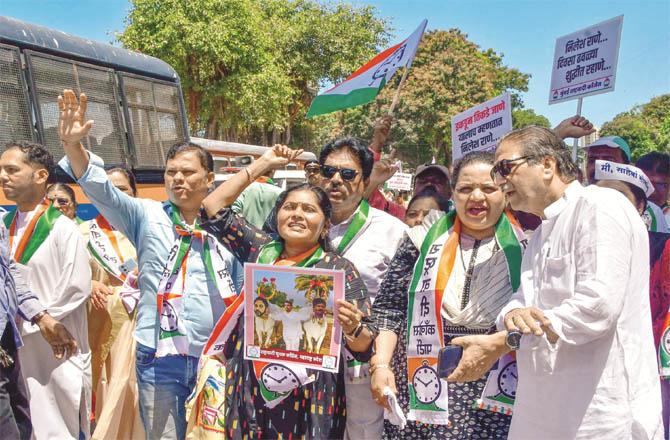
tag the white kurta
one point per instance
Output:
(371, 251)
(60, 390)
(587, 268)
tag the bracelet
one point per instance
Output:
(355, 332)
(248, 174)
(378, 366)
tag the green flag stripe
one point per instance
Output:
(42, 229)
(509, 243)
(357, 223)
(323, 104)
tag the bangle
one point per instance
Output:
(355, 332)
(248, 174)
(378, 366)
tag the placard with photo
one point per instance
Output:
(290, 316)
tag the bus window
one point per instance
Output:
(53, 74)
(155, 118)
(15, 120)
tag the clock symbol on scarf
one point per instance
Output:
(278, 378)
(507, 380)
(169, 320)
(426, 384)
(665, 340)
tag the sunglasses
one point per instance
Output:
(504, 167)
(346, 173)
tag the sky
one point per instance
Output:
(524, 31)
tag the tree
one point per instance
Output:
(645, 127)
(449, 75)
(249, 68)
(314, 286)
(525, 117)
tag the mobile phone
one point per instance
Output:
(128, 266)
(448, 359)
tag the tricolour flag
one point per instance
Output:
(363, 85)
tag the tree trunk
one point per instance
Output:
(212, 128)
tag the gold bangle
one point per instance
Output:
(248, 174)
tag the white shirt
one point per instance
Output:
(587, 268)
(291, 321)
(373, 249)
(654, 218)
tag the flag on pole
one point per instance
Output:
(363, 85)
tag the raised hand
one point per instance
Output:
(72, 126)
(382, 128)
(279, 156)
(574, 127)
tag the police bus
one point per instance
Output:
(135, 100)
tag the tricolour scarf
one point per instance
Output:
(36, 232)
(172, 337)
(428, 393)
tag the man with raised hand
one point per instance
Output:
(50, 253)
(186, 278)
(368, 238)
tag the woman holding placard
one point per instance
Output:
(455, 271)
(315, 406)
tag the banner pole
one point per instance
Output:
(575, 144)
(396, 97)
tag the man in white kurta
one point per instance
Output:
(60, 276)
(59, 389)
(585, 288)
(291, 321)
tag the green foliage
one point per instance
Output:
(450, 74)
(645, 127)
(250, 68)
(525, 117)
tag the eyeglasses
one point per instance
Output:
(346, 173)
(504, 167)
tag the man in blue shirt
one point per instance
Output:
(175, 266)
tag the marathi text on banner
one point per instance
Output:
(479, 128)
(585, 61)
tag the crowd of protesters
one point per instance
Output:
(108, 325)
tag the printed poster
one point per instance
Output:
(290, 315)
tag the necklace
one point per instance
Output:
(469, 270)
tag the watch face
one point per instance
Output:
(426, 384)
(278, 378)
(507, 380)
(665, 340)
(513, 340)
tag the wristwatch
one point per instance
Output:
(39, 316)
(513, 340)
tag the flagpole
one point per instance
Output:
(396, 97)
